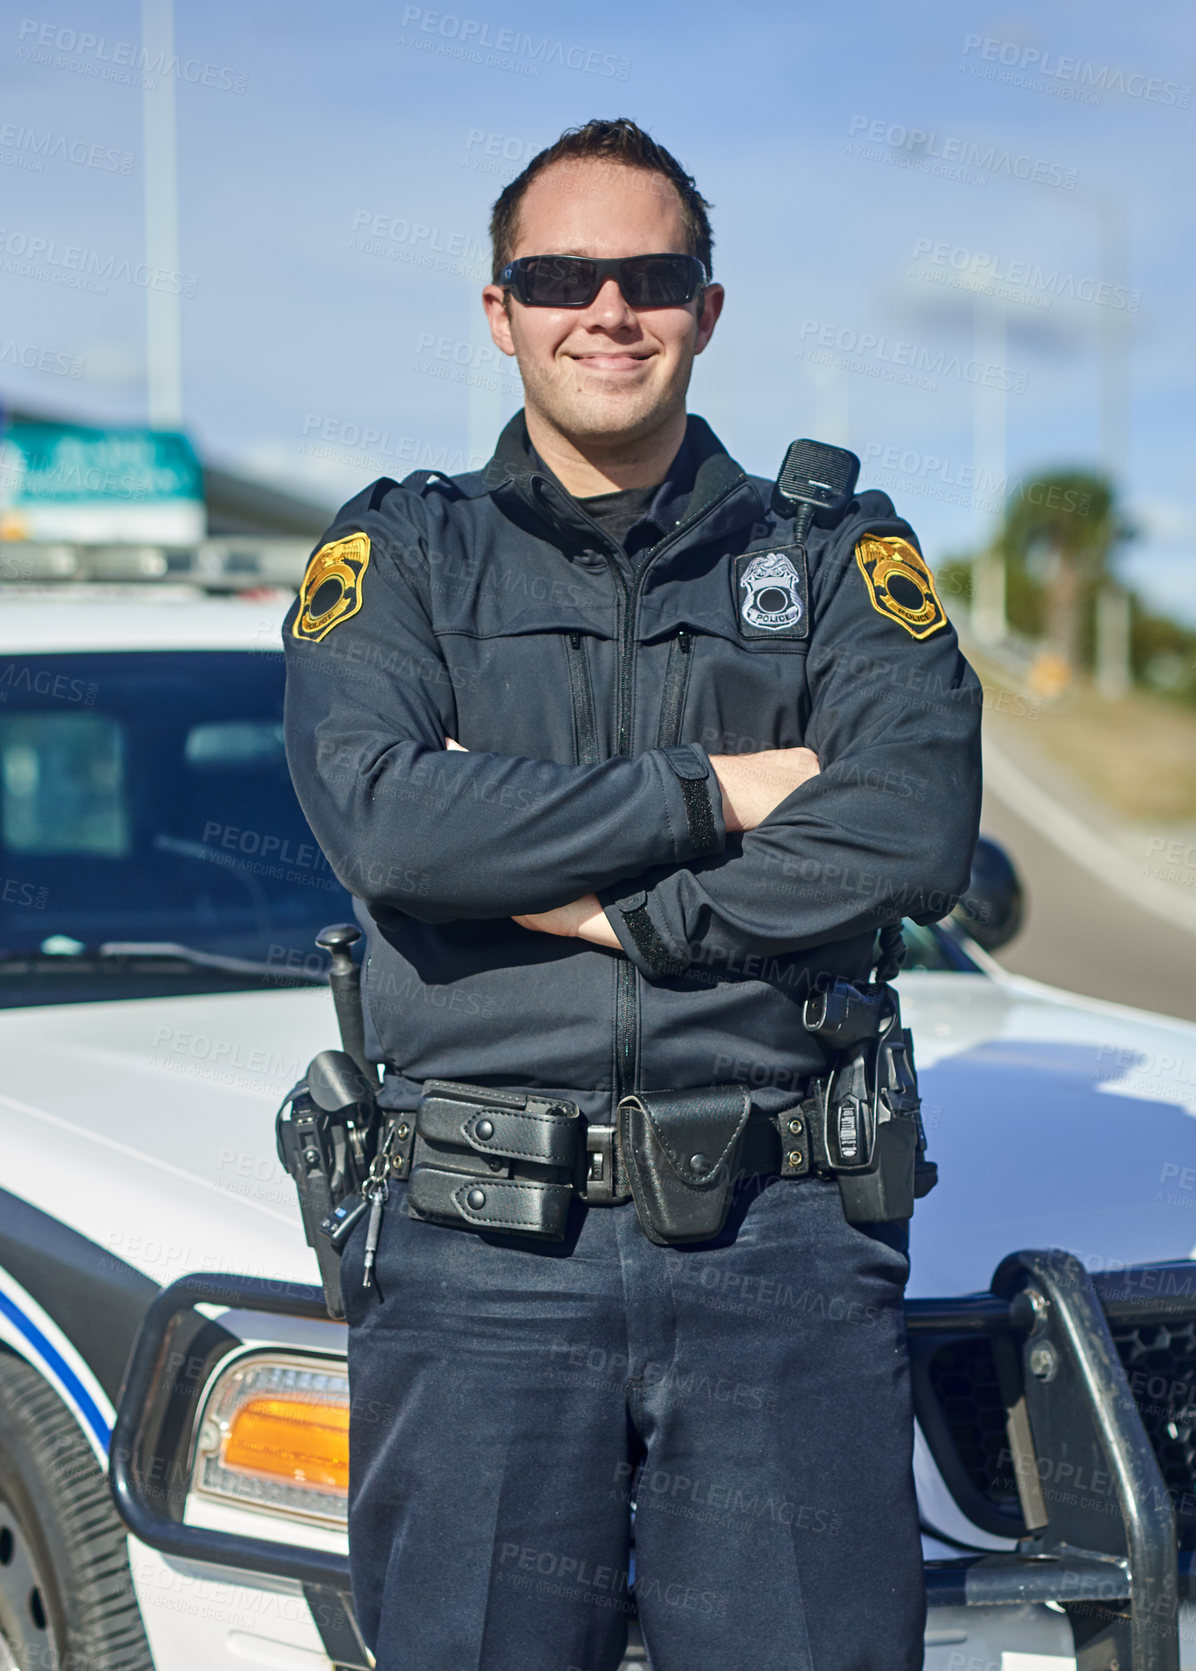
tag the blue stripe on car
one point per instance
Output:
(54, 1360)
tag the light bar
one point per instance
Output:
(218, 565)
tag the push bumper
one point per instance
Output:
(1109, 1560)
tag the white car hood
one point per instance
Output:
(148, 1126)
(1056, 1121)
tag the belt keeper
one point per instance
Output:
(600, 1164)
(798, 1129)
(402, 1125)
(603, 1186)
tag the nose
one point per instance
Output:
(609, 308)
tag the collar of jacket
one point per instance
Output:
(724, 497)
(669, 502)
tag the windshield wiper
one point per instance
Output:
(115, 952)
(137, 950)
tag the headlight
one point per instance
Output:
(275, 1435)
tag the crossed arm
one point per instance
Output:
(751, 785)
(884, 824)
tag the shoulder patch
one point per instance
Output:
(331, 589)
(899, 584)
(772, 592)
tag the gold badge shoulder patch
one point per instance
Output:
(899, 584)
(331, 589)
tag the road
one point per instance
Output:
(1086, 936)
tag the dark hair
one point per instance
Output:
(619, 143)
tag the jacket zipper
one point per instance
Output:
(585, 729)
(627, 988)
(676, 678)
(627, 975)
(679, 663)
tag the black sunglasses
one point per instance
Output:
(572, 281)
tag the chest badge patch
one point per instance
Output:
(331, 590)
(772, 593)
(899, 584)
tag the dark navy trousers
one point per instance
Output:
(511, 1400)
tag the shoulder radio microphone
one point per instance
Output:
(815, 478)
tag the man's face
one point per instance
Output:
(606, 370)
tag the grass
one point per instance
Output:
(1136, 755)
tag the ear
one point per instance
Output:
(498, 316)
(710, 305)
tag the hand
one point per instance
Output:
(754, 785)
(581, 919)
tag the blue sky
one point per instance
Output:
(956, 238)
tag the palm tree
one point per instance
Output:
(1070, 518)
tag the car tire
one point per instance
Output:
(66, 1593)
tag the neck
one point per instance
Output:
(603, 466)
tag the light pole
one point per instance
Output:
(988, 451)
(1113, 624)
(164, 369)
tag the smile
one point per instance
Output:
(611, 362)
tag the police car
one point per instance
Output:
(173, 1395)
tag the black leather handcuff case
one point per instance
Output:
(679, 1150)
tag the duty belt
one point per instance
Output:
(511, 1162)
(514, 1161)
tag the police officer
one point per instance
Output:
(620, 764)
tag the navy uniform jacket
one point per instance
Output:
(490, 608)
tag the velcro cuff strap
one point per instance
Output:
(702, 830)
(648, 943)
(506, 1204)
(695, 775)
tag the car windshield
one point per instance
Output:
(145, 798)
(935, 948)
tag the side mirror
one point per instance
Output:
(992, 909)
